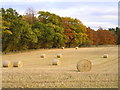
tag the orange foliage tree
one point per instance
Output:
(101, 36)
(92, 35)
(106, 37)
(70, 36)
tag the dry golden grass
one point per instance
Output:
(40, 73)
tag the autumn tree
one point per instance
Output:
(30, 16)
(15, 31)
(75, 31)
(118, 35)
(106, 37)
(117, 32)
(47, 17)
(92, 35)
(49, 30)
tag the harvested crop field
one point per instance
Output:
(39, 72)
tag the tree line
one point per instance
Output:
(48, 30)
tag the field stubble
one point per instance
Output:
(40, 73)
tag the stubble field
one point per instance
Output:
(40, 73)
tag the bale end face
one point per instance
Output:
(56, 62)
(42, 55)
(7, 64)
(76, 48)
(62, 48)
(59, 55)
(105, 56)
(17, 64)
(84, 66)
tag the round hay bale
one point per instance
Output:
(62, 47)
(84, 65)
(17, 64)
(76, 48)
(7, 64)
(59, 55)
(105, 56)
(42, 55)
(55, 62)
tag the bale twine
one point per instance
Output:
(59, 55)
(55, 62)
(17, 64)
(62, 47)
(84, 65)
(42, 55)
(105, 56)
(76, 48)
(7, 64)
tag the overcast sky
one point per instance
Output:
(94, 13)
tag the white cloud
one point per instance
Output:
(96, 25)
(92, 15)
(113, 17)
(60, 1)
